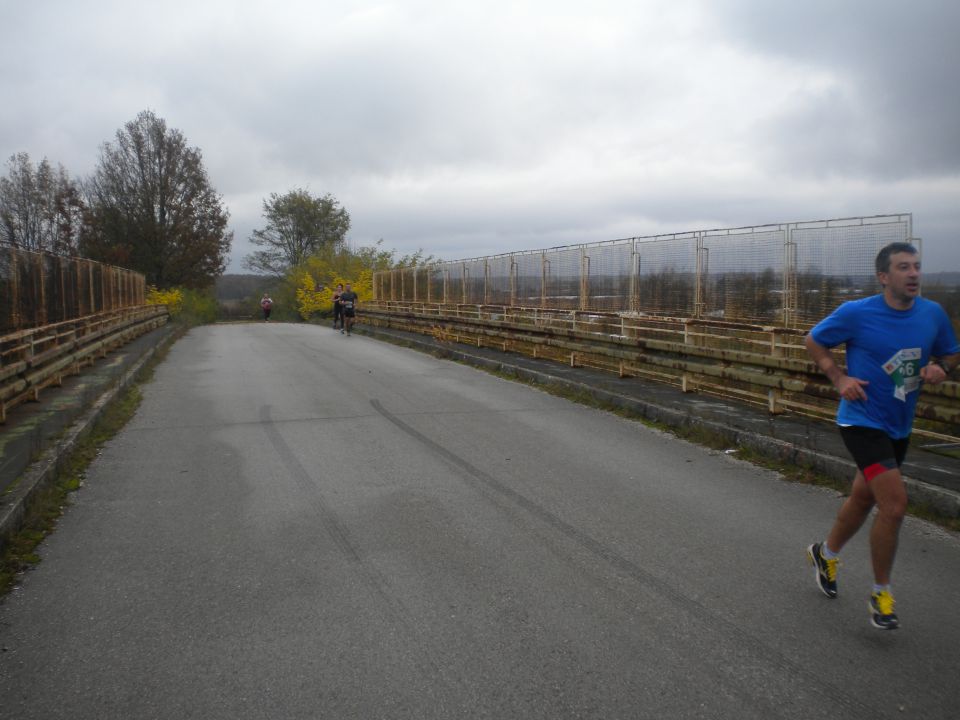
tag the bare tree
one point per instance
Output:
(153, 209)
(40, 209)
(298, 226)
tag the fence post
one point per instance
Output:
(773, 402)
(15, 287)
(584, 278)
(41, 313)
(486, 281)
(544, 264)
(92, 300)
(464, 276)
(61, 262)
(789, 280)
(702, 257)
(633, 303)
(513, 282)
(776, 347)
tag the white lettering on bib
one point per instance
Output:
(904, 369)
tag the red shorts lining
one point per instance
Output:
(871, 471)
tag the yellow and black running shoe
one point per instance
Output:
(825, 571)
(881, 611)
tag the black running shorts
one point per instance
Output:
(873, 450)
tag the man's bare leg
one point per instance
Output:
(852, 514)
(890, 494)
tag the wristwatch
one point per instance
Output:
(943, 366)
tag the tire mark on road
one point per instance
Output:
(375, 580)
(759, 652)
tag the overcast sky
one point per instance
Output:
(471, 128)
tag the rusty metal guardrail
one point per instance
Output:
(37, 358)
(765, 365)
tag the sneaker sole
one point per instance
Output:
(816, 572)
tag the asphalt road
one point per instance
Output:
(298, 524)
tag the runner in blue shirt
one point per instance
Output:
(895, 341)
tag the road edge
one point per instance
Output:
(44, 471)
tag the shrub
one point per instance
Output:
(172, 298)
(191, 307)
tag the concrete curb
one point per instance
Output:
(942, 500)
(43, 472)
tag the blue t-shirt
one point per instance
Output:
(887, 347)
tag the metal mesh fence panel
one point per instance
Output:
(528, 278)
(742, 274)
(474, 278)
(435, 284)
(666, 275)
(396, 285)
(417, 289)
(563, 274)
(835, 261)
(407, 285)
(455, 283)
(84, 303)
(54, 288)
(96, 288)
(9, 301)
(609, 277)
(28, 286)
(783, 274)
(109, 289)
(500, 279)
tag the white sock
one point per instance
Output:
(827, 553)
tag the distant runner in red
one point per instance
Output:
(265, 304)
(337, 307)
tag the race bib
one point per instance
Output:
(348, 304)
(904, 369)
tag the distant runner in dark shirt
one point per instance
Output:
(348, 301)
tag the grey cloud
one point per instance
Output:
(897, 106)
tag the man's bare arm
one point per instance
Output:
(850, 388)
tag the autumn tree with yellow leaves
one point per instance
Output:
(316, 278)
